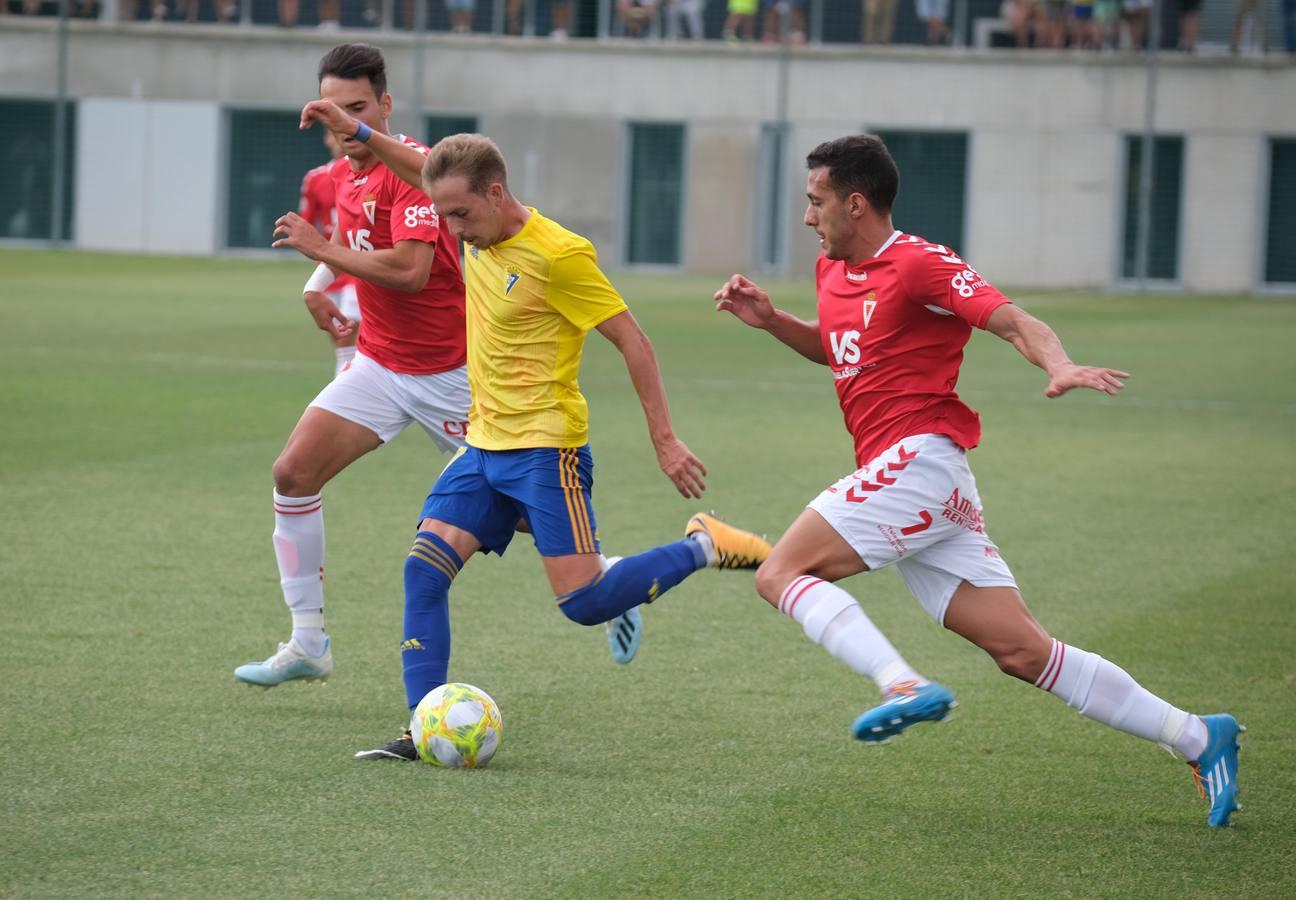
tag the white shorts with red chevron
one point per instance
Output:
(385, 402)
(916, 506)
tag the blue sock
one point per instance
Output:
(634, 580)
(425, 652)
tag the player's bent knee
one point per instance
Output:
(770, 582)
(1020, 662)
(290, 480)
(582, 609)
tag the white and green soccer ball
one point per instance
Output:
(457, 725)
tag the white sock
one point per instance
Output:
(299, 548)
(832, 619)
(344, 356)
(1103, 691)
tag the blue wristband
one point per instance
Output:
(363, 133)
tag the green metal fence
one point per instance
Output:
(268, 156)
(27, 200)
(933, 183)
(655, 193)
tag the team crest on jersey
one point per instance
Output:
(870, 304)
(370, 205)
(512, 274)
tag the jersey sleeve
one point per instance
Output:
(580, 292)
(307, 208)
(412, 215)
(935, 276)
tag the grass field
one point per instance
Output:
(144, 400)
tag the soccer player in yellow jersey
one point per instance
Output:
(534, 291)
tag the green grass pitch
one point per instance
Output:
(144, 401)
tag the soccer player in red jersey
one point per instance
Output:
(318, 206)
(895, 312)
(410, 360)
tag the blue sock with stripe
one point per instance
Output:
(634, 580)
(425, 652)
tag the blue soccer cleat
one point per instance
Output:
(289, 663)
(623, 634)
(1215, 771)
(905, 703)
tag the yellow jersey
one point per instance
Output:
(531, 300)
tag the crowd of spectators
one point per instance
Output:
(1054, 24)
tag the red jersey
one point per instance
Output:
(317, 207)
(893, 329)
(418, 333)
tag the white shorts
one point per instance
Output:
(385, 401)
(916, 505)
(347, 301)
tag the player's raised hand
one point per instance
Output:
(745, 299)
(683, 468)
(331, 116)
(1097, 378)
(294, 231)
(327, 316)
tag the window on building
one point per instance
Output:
(1164, 205)
(268, 157)
(656, 194)
(771, 198)
(437, 127)
(27, 201)
(933, 183)
(1280, 259)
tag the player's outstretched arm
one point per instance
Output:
(751, 305)
(401, 158)
(680, 465)
(1037, 342)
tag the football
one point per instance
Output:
(457, 725)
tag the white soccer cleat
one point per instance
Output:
(289, 663)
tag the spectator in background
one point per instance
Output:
(1083, 26)
(290, 11)
(772, 28)
(1052, 29)
(879, 21)
(933, 13)
(330, 14)
(636, 17)
(1106, 25)
(1023, 17)
(1137, 14)
(461, 15)
(1254, 11)
(560, 26)
(1189, 24)
(740, 24)
(684, 15)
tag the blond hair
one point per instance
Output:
(474, 156)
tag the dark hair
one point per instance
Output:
(859, 164)
(474, 156)
(353, 61)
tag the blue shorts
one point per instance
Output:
(485, 492)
